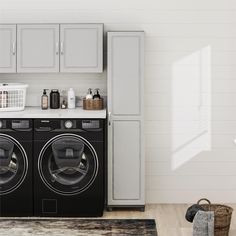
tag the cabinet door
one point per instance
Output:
(126, 160)
(7, 48)
(125, 72)
(38, 48)
(81, 47)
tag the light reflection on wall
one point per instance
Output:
(191, 88)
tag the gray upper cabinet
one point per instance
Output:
(81, 48)
(7, 48)
(45, 48)
(38, 48)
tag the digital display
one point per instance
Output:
(20, 124)
(90, 124)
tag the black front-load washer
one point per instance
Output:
(68, 167)
(16, 195)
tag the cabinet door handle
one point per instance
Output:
(14, 48)
(109, 118)
(57, 48)
(62, 48)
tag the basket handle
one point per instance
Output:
(204, 199)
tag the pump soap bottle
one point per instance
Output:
(44, 100)
(96, 95)
(89, 94)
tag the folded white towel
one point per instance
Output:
(203, 223)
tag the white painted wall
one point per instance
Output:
(190, 85)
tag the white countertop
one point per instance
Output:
(37, 112)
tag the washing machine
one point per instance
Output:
(68, 167)
(16, 195)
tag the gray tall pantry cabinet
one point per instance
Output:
(126, 161)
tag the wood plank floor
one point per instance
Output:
(169, 218)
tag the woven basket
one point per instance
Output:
(223, 215)
(93, 104)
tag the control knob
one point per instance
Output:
(68, 124)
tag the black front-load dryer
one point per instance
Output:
(68, 167)
(16, 195)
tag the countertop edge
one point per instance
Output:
(37, 113)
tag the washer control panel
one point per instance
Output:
(68, 124)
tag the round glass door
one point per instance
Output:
(68, 164)
(13, 164)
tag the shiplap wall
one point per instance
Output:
(190, 85)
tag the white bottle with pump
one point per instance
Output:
(71, 98)
(89, 94)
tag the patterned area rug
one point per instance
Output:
(77, 227)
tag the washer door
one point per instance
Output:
(68, 164)
(13, 164)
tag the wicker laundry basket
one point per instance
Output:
(223, 215)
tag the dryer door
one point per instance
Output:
(13, 164)
(68, 164)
